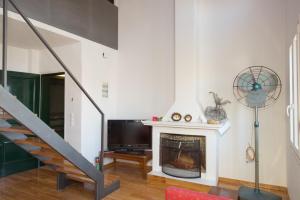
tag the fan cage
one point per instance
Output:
(264, 76)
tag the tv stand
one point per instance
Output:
(142, 157)
(131, 151)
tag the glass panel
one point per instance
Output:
(183, 156)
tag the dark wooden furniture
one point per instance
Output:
(218, 191)
(142, 159)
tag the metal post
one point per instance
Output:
(256, 127)
(4, 45)
(62, 182)
(99, 193)
(102, 144)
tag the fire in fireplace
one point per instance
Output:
(182, 156)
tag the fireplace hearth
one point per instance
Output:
(163, 160)
(182, 156)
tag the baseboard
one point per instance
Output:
(236, 182)
(157, 180)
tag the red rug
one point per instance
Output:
(173, 193)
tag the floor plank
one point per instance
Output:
(41, 184)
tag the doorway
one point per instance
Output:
(53, 101)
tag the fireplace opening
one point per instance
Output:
(182, 156)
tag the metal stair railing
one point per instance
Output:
(21, 113)
(59, 60)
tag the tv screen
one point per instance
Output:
(128, 135)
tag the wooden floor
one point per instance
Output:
(41, 185)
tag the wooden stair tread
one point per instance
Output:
(108, 179)
(80, 178)
(70, 170)
(46, 153)
(21, 130)
(5, 116)
(34, 142)
(59, 163)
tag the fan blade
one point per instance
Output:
(245, 82)
(271, 85)
(261, 68)
(256, 98)
(252, 74)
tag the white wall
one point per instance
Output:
(231, 38)
(71, 56)
(82, 121)
(293, 162)
(233, 35)
(96, 70)
(146, 58)
(21, 60)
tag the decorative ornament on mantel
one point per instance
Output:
(216, 114)
(176, 117)
(188, 118)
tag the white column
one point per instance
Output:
(186, 61)
(186, 49)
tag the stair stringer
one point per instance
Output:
(22, 114)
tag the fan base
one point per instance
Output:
(246, 193)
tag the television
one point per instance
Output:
(128, 135)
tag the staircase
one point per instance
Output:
(38, 139)
(35, 137)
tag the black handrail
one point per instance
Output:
(4, 45)
(63, 65)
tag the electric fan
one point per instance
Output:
(257, 87)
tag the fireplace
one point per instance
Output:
(182, 156)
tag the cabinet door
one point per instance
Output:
(1, 154)
(26, 88)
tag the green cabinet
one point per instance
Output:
(1, 153)
(14, 159)
(26, 88)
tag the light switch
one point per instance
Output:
(72, 119)
(105, 89)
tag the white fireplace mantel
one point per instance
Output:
(212, 134)
(220, 128)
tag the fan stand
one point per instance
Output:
(246, 193)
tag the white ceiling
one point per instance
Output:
(20, 35)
